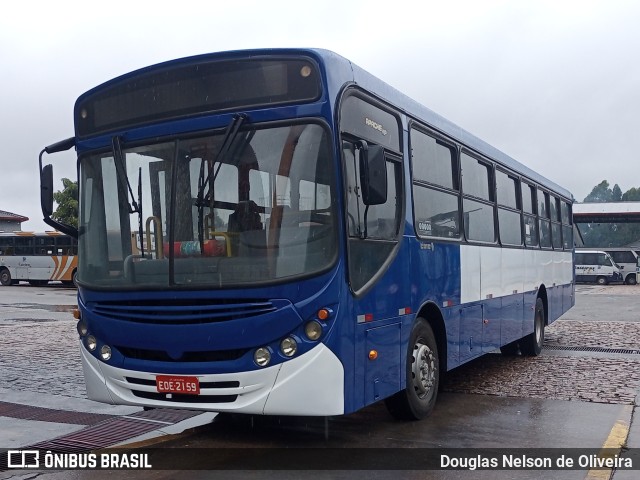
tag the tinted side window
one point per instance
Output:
(510, 228)
(475, 177)
(432, 160)
(436, 200)
(530, 231)
(509, 222)
(623, 257)
(528, 193)
(545, 233)
(554, 209)
(506, 190)
(436, 213)
(24, 245)
(604, 260)
(478, 221)
(543, 204)
(565, 213)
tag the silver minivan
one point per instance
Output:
(596, 266)
(627, 260)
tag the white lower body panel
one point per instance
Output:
(311, 384)
(491, 272)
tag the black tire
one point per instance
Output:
(38, 283)
(510, 349)
(531, 345)
(5, 277)
(602, 280)
(417, 400)
(631, 279)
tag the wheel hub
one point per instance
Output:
(423, 369)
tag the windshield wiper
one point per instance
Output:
(133, 206)
(227, 141)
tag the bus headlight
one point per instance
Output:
(313, 330)
(105, 352)
(92, 343)
(82, 328)
(289, 347)
(262, 356)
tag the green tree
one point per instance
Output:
(602, 193)
(616, 194)
(631, 195)
(67, 200)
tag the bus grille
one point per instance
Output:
(162, 356)
(182, 312)
(186, 398)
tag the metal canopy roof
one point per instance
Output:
(610, 212)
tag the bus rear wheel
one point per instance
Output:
(417, 400)
(631, 279)
(531, 345)
(5, 277)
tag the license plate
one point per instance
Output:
(179, 385)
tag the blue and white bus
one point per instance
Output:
(280, 232)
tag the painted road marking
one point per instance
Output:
(613, 444)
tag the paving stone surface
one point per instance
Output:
(564, 375)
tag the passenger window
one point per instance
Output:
(475, 177)
(506, 188)
(528, 193)
(478, 221)
(510, 229)
(530, 231)
(509, 223)
(432, 160)
(543, 204)
(435, 187)
(436, 213)
(565, 213)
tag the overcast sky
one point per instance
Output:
(554, 84)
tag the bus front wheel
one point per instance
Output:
(5, 277)
(531, 345)
(601, 280)
(417, 400)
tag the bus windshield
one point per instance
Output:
(217, 210)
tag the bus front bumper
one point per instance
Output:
(311, 385)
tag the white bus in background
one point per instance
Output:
(596, 266)
(627, 259)
(37, 258)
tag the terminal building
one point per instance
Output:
(11, 222)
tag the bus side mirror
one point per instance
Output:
(46, 190)
(373, 174)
